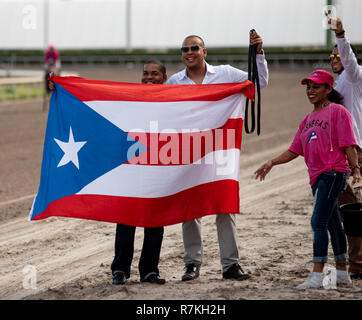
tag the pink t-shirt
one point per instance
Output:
(51, 54)
(320, 140)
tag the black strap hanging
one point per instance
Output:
(253, 76)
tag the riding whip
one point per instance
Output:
(253, 76)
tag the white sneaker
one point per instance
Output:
(314, 280)
(343, 277)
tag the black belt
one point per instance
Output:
(253, 76)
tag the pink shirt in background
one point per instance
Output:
(51, 54)
(320, 140)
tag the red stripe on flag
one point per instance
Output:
(98, 90)
(186, 148)
(207, 199)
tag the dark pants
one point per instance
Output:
(124, 248)
(354, 243)
(326, 218)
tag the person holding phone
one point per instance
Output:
(344, 63)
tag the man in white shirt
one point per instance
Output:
(198, 71)
(349, 84)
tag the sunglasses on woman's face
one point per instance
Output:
(332, 56)
(193, 48)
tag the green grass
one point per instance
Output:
(16, 92)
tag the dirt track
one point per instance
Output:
(72, 257)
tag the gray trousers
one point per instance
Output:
(226, 233)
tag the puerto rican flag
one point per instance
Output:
(139, 154)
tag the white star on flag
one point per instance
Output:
(70, 149)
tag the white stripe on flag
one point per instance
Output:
(202, 115)
(149, 181)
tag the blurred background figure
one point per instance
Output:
(52, 60)
(52, 66)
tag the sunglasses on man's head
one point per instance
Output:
(332, 56)
(193, 48)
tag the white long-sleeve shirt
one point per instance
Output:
(225, 74)
(349, 84)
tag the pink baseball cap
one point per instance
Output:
(320, 77)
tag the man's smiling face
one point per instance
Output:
(193, 58)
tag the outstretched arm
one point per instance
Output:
(349, 60)
(267, 166)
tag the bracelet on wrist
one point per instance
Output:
(354, 167)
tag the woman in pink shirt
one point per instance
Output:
(326, 140)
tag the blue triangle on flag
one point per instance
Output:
(105, 148)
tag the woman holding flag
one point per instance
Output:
(326, 140)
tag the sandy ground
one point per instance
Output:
(72, 257)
